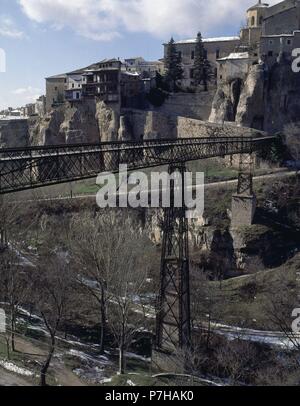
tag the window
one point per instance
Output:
(261, 19)
(217, 54)
(55, 88)
(193, 55)
(253, 21)
(270, 42)
(179, 55)
(205, 53)
(288, 41)
(270, 53)
(192, 73)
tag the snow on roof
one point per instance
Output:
(130, 73)
(217, 39)
(235, 55)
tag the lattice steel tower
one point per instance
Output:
(173, 309)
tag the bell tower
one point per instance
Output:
(256, 14)
(251, 34)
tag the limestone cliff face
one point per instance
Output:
(14, 133)
(266, 100)
(108, 120)
(88, 122)
(250, 108)
(225, 102)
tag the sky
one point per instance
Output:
(41, 38)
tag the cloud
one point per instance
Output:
(27, 94)
(104, 20)
(8, 28)
(26, 90)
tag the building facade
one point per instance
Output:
(215, 48)
(55, 90)
(282, 18)
(144, 68)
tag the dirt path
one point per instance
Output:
(63, 375)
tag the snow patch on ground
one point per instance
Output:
(138, 357)
(9, 366)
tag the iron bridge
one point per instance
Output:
(34, 167)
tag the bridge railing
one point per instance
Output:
(27, 168)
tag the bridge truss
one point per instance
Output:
(34, 167)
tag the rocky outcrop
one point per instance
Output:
(108, 119)
(250, 108)
(225, 102)
(88, 122)
(14, 133)
(265, 100)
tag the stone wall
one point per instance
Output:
(14, 133)
(157, 125)
(149, 125)
(192, 105)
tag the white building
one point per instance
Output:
(236, 65)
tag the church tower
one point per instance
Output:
(256, 14)
(250, 35)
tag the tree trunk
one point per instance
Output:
(12, 333)
(7, 348)
(46, 365)
(121, 359)
(103, 321)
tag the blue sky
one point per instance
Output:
(45, 37)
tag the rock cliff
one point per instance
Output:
(14, 133)
(266, 100)
(88, 122)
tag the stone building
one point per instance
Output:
(234, 66)
(215, 48)
(40, 106)
(282, 18)
(271, 34)
(144, 68)
(278, 47)
(103, 81)
(55, 90)
(251, 34)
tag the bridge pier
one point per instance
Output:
(173, 329)
(244, 201)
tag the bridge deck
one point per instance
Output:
(33, 167)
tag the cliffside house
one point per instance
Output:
(55, 90)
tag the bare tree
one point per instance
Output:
(235, 359)
(107, 247)
(126, 311)
(52, 295)
(93, 245)
(205, 304)
(14, 288)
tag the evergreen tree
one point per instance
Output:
(202, 68)
(174, 71)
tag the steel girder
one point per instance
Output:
(33, 167)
